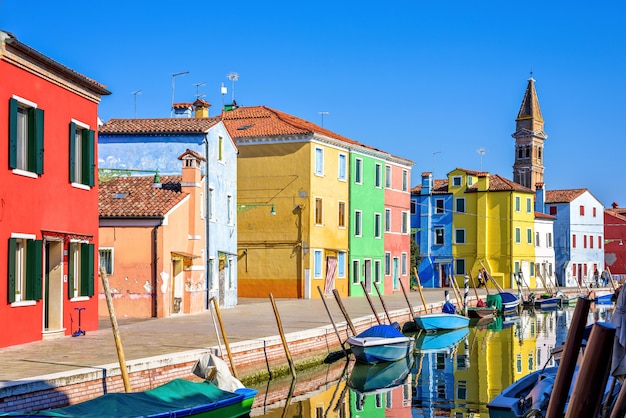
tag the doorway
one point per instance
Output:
(367, 273)
(53, 288)
(177, 285)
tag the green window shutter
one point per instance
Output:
(12, 250)
(86, 270)
(34, 269)
(72, 151)
(87, 159)
(12, 133)
(70, 276)
(38, 142)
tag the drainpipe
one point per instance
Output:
(155, 280)
(207, 253)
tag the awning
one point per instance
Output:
(182, 254)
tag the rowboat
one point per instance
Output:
(548, 303)
(441, 321)
(481, 312)
(431, 342)
(380, 343)
(378, 378)
(207, 399)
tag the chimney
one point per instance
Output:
(540, 197)
(192, 183)
(427, 183)
(202, 108)
(182, 110)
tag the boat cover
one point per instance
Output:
(494, 301)
(162, 401)
(382, 330)
(448, 307)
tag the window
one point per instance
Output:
(413, 207)
(584, 241)
(403, 264)
(459, 266)
(378, 174)
(342, 167)
(211, 203)
(460, 204)
(319, 162)
(582, 210)
(405, 222)
(388, 176)
(377, 225)
(457, 181)
(459, 236)
(529, 205)
(80, 280)
(405, 180)
(470, 180)
(517, 204)
(25, 136)
(439, 206)
(438, 236)
(82, 143)
(537, 239)
(356, 272)
(594, 211)
(387, 220)
(220, 149)
(377, 278)
(553, 210)
(105, 260)
(317, 264)
(599, 241)
(387, 264)
(549, 240)
(229, 209)
(518, 235)
(574, 241)
(25, 269)
(516, 267)
(341, 207)
(539, 149)
(358, 171)
(341, 264)
(590, 241)
(529, 236)
(318, 211)
(357, 223)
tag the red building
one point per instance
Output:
(614, 241)
(48, 198)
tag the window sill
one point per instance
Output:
(80, 299)
(25, 173)
(81, 186)
(23, 303)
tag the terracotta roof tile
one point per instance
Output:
(563, 196)
(133, 197)
(440, 186)
(498, 183)
(158, 126)
(544, 215)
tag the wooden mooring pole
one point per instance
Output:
(343, 311)
(369, 300)
(282, 337)
(332, 321)
(230, 355)
(116, 331)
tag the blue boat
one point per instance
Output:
(604, 296)
(548, 303)
(378, 378)
(430, 342)
(380, 343)
(504, 301)
(441, 321)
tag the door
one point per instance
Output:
(53, 287)
(177, 285)
(221, 275)
(367, 267)
(396, 272)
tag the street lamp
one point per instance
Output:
(243, 207)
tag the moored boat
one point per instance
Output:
(380, 343)
(548, 303)
(481, 312)
(441, 321)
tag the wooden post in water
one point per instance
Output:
(116, 331)
(382, 302)
(370, 302)
(406, 297)
(331, 319)
(567, 364)
(343, 311)
(586, 398)
(282, 337)
(419, 287)
(230, 355)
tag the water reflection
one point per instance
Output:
(451, 375)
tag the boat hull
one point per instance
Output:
(481, 312)
(549, 303)
(441, 321)
(373, 350)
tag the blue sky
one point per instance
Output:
(429, 81)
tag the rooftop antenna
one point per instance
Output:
(233, 77)
(135, 93)
(481, 151)
(323, 113)
(434, 155)
(173, 86)
(223, 90)
(198, 85)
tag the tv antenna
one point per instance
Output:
(323, 113)
(173, 86)
(198, 85)
(233, 77)
(481, 152)
(135, 93)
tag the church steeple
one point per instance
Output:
(529, 136)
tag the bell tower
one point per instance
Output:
(529, 137)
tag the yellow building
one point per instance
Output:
(292, 207)
(492, 227)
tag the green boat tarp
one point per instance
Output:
(176, 398)
(494, 301)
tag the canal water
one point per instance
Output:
(455, 376)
